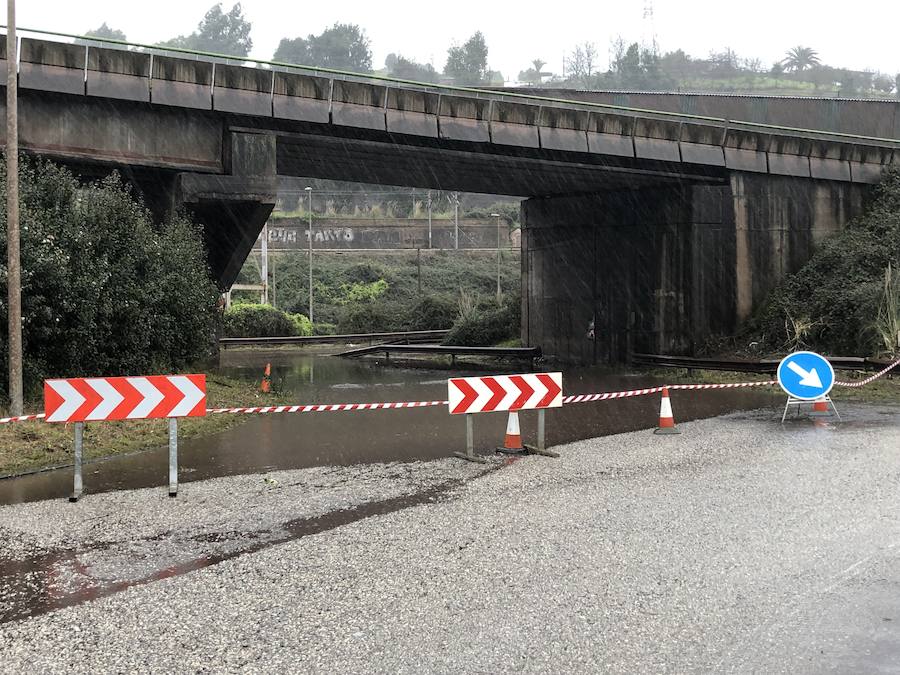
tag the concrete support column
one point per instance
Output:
(662, 269)
(233, 208)
(643, 267)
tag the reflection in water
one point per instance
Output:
(290, 441)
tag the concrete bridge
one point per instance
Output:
(660, 227)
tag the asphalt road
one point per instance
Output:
(738, 546)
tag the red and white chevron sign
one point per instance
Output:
(86, 399)
(504, 392)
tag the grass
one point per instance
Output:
(25, 446)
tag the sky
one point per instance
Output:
(861, 35)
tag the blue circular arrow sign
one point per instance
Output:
(805, 375)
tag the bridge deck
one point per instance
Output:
(375, 129)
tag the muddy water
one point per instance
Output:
(290, 441)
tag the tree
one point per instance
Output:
(883, 83)
(218, 32)
(799, 59)
(106, 32)
(105, 291)
(407, 69)
(534, 75)
(636, 68)
(580, 64)
(294, 50)
(344, 46)
(725, 62)
(467, 64)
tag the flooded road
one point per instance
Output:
(300, 440)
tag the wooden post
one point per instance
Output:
(14, 272)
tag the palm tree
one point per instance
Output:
(801, 58)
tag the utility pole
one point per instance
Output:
(14, 273)
(309, 208)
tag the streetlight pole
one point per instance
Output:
(456, 219)
(497, 216)
(429, 219)
(309, 208)
(264, 264)
(14, 273)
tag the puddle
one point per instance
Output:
(64, 578)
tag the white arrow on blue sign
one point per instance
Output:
(805, 375)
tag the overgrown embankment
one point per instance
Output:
(846, 299)
(383, 292)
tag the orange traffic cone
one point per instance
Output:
(512, 443)
(266, 383)
(820, 408)
(666, 419)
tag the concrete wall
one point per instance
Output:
(385, 233)
(662, 269)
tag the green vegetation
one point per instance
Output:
(254, 320)
(360, 292)
(845, 299)
(105, 291)
(482, 323)
(221, 32)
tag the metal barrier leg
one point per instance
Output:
(79, 444)
(541, 448)
(173, 457)
(470, 443)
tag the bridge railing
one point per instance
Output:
(176, 76)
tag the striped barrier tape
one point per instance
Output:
(576, 398)
(328, 407)
(730, 385)
(868, 380)
(21, 418)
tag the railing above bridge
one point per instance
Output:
(240, 85)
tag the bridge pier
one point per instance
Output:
(662, 269)
(231, 207)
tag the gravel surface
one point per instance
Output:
(736, 546)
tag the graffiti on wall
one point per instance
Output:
(289, 235)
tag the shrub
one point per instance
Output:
(484, 325)
(364, 273)
(431, 313)
(105, 291)
(367, 318)
(362, 292)
(302, 324)
(253, 320)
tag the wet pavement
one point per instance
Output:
(291, 441)
(740, 545)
